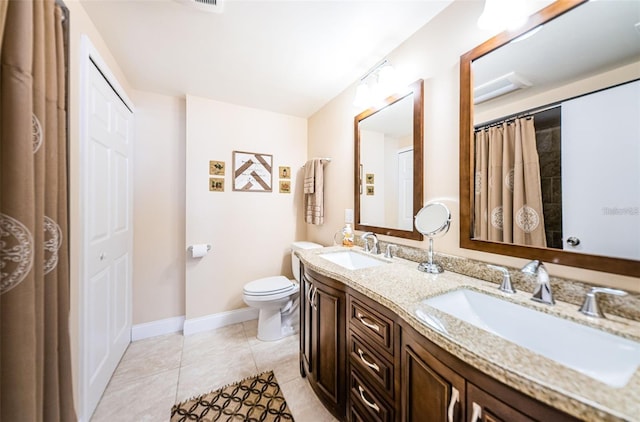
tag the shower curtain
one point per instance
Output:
(508, 194)
(35, 360)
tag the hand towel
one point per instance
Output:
(314, 201)
(309, 176)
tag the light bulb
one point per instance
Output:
(363, 96)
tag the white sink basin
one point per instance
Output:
(351, 260)
(600, 355)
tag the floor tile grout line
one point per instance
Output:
(175, 396)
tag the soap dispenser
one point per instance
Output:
(345, 236)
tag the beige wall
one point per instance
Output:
(250, 232)
(159, 197)
(433, 54)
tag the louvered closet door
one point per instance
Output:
(108, 235)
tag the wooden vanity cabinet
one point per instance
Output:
(366, 364)
(322, 339)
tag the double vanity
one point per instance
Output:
(382, 341)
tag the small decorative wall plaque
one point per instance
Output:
(252, 171)
(370, 190)
(370, 178)
(285, 186)
(216, 184)
(285, 172)
(216, 168)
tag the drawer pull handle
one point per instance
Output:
(477, 412)
(309, 290)
(367, 402)
(369, 364)
(313, 298)
(367, 324)
(455, 398)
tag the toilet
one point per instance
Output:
(277, 298)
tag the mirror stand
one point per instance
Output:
(430, 266)
(433, 220)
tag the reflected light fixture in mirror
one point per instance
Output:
(502, 14)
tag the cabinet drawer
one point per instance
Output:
(367, 403)
(373, 326)
(367, 361)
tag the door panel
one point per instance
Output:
(98, 335)
(600, 172)
(98, 194)
(326, 374)
(429, 389)
(108, 236)
(405, 189)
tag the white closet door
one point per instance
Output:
(405, 189)
(107, 199)
(601, 172)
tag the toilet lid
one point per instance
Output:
(268, 286)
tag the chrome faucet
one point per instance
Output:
(542, 292)
(389, 253)
(590, 305)
(506, 285)
(375, 249)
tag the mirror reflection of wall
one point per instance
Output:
(386, 151)
(588, 159)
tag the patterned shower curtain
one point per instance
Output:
(508, 194)
(35, 360)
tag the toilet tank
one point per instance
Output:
(295, 261)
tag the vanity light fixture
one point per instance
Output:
(499, 15)
(377, 84)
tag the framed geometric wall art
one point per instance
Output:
(252, 172)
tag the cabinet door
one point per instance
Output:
(484, 407)
(328, 343)
(430, 390)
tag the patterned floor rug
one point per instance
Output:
(254, 399)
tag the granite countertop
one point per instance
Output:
(399, 286)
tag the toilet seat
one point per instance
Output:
(269, 288)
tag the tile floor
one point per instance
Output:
(158, 372)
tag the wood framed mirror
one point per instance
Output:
(531, 98)
(388, 167)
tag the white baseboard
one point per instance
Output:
(157, 328)
(222, 319)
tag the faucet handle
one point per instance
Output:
(506, 285)
(388, 253)
(590, 305)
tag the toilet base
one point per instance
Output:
(270, 327)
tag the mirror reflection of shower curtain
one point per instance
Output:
(508, 194)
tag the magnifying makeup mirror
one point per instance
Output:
(433, 220)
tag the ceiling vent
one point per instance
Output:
(499, 86)
(212, 6)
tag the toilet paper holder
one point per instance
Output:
(190, 248)
(199, 250)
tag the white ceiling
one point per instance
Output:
(289, 57)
